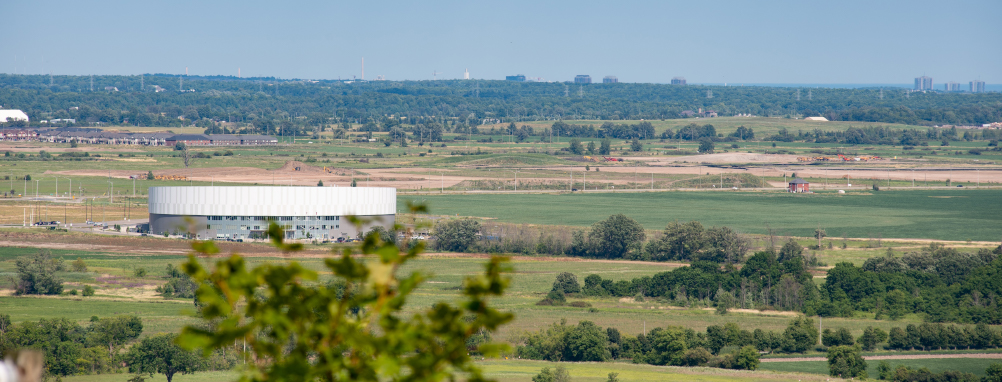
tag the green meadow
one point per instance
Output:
(962, 214)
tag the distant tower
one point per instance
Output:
(881, 93)
(566, 91)
(709, 94)
(363, 68)
(180, 84)
(238, 73)
(580, 91)
(977, 86)
(466, 74)
(142, 82)
(91, 82)
(186, 70)
(923, 83)
(809, 96)
(798, 94)
(678, 81)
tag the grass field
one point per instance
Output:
(968, 365)
(936, 214)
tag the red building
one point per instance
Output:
(799, 185)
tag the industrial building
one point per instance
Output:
(245, 212)
(516, 78)
(12, 115)
(610, 80)
(678, 81)
(923, 83)
(582, 79)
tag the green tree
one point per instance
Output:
(79, 265)
(993, 373)
(354, 183)
(567, 282)
(746, 358)
(846, 362)
(591, 147)
(884, 371)
(309, 332)
(668, 346)
(558, 375)
(575, 147)
(680, 241)
(635, 145)
(88, 291)
(801, 334)
(839, 337)
(36, 274)
(456, 235)
(115, 331)
(180, 146)
(616, 236)
(320, 183)
(73, 143)
(383, 234)
(790, 250)
(871, 337)
(586, 343)
(161, 355)
(706, 146)
(613, 377)
(605, 148)
(149, 175)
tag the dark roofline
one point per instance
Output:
(799, 181)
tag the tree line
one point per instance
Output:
(160, 99)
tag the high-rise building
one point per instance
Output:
(951, 86)
(582, 79)
(466, 74)
(678, 81)
(610, 80)
(516, 78)
(923, 83)
(977, 86)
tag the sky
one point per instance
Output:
(736, 42)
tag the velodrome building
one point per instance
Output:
(245, 212)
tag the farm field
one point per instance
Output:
(976, 366)
(930, 214)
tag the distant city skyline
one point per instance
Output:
(733, 42)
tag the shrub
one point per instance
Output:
(846, 362)
(36, 274)
(580, 304)
(79, 265)
(88, 291)
(139, 272)
(566, 282)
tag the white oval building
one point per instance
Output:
(245, 212)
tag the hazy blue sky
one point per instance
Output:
(638, 41)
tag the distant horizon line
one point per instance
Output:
(833, 85)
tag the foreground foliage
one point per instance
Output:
(354, 329)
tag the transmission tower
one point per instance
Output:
(809, 95)
(566, 91)
(142, 82)
(881, 93)
(580, 90)
(798, 94)
(709, 94)
(91, 82)
(180, 83)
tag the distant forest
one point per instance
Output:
(268, 104)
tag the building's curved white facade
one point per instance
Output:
(242, 212)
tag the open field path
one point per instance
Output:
(901, 356)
